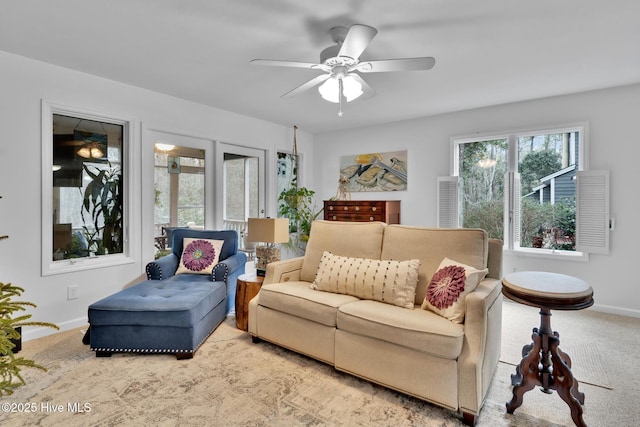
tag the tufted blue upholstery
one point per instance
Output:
(169, 313)
(157, 317)
(229, 268)
(159, 303)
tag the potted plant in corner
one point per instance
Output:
(10, 336)
(296, 203)
(10, 330)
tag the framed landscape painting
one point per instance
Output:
(374, 171)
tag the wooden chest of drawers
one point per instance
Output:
(362, 210)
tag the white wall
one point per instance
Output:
(612, 115)
(23, 84)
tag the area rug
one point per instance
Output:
(230, 381)
(234, 382)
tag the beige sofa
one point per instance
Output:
(415, 351)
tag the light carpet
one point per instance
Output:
(233, 382)
(588, 365)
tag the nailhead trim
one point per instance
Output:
(226, 271)
(152, 351)
(148, 269)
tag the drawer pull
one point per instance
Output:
(346, 208)
(371, 218)
(357, 208)
(334, 217)
(330, 208)
(373, 208)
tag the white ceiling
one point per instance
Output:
(487, 52)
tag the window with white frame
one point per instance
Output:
(179, 186)
(84, 205)
(525, 188)
(241, 199)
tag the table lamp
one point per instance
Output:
(269, 231)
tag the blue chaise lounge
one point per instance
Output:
(175, 309)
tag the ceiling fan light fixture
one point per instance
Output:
(330, 89)
(90, 151)
(164, 147)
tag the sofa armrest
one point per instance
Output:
(494, 261)
(225, 269)
(481, 347)
(283, 271)
(162, 268)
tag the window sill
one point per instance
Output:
(81, 264)
(548, 254)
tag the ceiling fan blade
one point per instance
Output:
(404, 64)
(308, 85)
(357, 40)
(278, 63)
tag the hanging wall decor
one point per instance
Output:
(374, 171)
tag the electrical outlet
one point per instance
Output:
(72, 292)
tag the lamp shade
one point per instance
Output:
(268, 230)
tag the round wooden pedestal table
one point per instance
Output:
(543, 363)
(247, 287)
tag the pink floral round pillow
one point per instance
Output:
(448, 288)
(199, 256)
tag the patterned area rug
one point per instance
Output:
(233, 382)
(230, 381)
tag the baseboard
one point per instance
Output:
(611, 309)
(38, 332)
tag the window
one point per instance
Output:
(179, 186)
(287, 173)
(547, 167)
(483, 165)
(84, 193)
(240, 176)
(241, 188)
(521, 188)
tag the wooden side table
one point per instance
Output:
(543, 363)
(247, 287)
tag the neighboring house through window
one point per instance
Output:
(524, 188)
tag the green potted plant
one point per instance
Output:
(10, 337)
(103, 200)
(296, 203)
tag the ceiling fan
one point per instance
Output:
(341, 64)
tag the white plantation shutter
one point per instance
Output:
(592, 211)
(447, 216)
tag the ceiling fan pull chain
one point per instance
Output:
(340, 95)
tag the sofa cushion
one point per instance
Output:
(449, 287)
(298, 299)
(354, 239)
(431, 245)
(420, 330)
(388, 281)
(199, 256)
